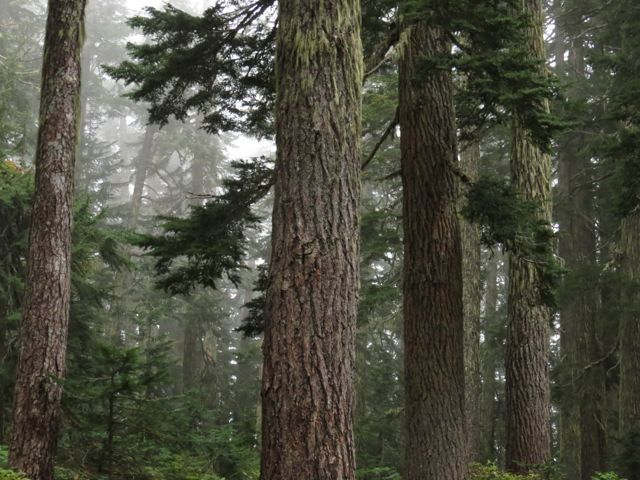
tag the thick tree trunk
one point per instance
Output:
(527, 361)
(311, 302)
(630, 348)
(433, 313)
(45, 310)
(471, 299)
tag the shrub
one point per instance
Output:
(491, 472)
(607, 476)
(10, 475)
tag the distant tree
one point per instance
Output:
(623, 42)
(16, 194)
(48, 282)
(21, 25)
(582, 392)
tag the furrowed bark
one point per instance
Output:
(45, 310)
(528, 424)
(433, 313)
(471, 299)
(311, 302)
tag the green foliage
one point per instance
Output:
(5, 472)
(16, 190)
(200, 249)
(105, 401)
(501, 76)
(20, 27)
(621, 60)
(607, 476)
(381, 242)
(220, 65)
(253, 323)
(125, 422)
(10, 475)
(491, 472)
(90, 236)
(507, 219)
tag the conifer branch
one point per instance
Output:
(392, 125)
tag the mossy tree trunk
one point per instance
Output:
(45, 310)
(471, 299)
(433, 313)
(311, 302)
(528, 425)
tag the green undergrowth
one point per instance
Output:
(377, 473)
(5, 472)
(178, 470)
(169, 468)
(491, 472)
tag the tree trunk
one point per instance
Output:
(117, 327)
(471, 299)
(433, 313)
(491, 354)
(192, 354)
(569, 406)
(311, 302)
(143, 163)
(45, 310)
(527, 360)
(4, 389)
(569, 325)
(630, 348)
(582, 434)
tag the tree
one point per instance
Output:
(311, 302)
(621, 37)
(16, 190)
(527, 363)
(629, 343)
(46, 304)
(19, 76)
(582, 391)
(433, 312)
(471, 300)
